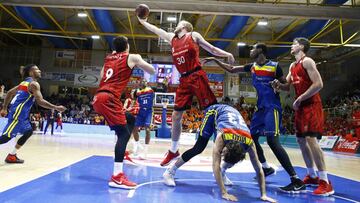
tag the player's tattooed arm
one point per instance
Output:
(217, 149)
(35, 90)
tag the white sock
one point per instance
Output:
(172, 169)
(265, 165)
(136, 145)
(118, 168)
(323, 176)
(13, 151)
(312, 172)
(174, 146)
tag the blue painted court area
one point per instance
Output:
(86, 181)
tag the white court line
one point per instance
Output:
(132, 192)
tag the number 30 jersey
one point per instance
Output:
(185, 53)
(116, 74)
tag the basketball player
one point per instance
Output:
(22, 98)
(232, 142)
(193, 81)
(267, 119)
(115, 75)
(145, 97)
(309, 120)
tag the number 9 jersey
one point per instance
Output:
(116, 74)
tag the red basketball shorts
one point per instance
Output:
(111, 108)
(309, 120)
(195, 84)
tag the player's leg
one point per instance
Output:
(199, 147)
(111, 108)
(256, 129)
(183, 101)
(207, 129)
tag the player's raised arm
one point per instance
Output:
(138, 61)
(35, 90)
(212, 49)
(217, 149)
(158, 31)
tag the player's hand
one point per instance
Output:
(267, 199)
(231, 59)
(275, 84)
(297, 103)
(3, 112)
(142, 21)
(60, 108)
(229, 197)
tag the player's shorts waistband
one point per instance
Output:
(191, 71)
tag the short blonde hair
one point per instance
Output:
(187, 25)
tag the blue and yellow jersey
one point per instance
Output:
(145, 98)
(228, 121)
(21, 104)
(262, 75)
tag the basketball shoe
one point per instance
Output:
(13, 159)
(324, 189)
(169, 156)
(296, 186)
(308, 180)
(120, 181)
(169, 178)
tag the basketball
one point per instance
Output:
(142, 11)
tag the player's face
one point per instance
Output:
(295, 47)
(36, 72)
(179, 27)
(255, 52)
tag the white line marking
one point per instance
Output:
(132, 192)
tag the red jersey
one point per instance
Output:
(185, 53)
(301, 81)
(116, 74)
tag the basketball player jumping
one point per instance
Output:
(193, 81)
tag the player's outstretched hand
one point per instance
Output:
(229, 197)
(231, 59)
(267, 199)
(60, 108)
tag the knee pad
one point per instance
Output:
(24, 138)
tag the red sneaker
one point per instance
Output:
(127, 158)
(121, 181)
(308, 180)
(169, 156)
(13, 159)
(324, 189)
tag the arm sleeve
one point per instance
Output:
(279, 72)
(247, 67)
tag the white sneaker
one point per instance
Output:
(169, 179)
(226, 180)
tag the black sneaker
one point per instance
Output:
(296, 186)
(13, 159)
(268, 171)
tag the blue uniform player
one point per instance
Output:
(21, 98)
(232, 141)
(266, 120)
(145, 98)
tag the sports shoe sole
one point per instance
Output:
(293, 191)
(325, 194)
(115, 185)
